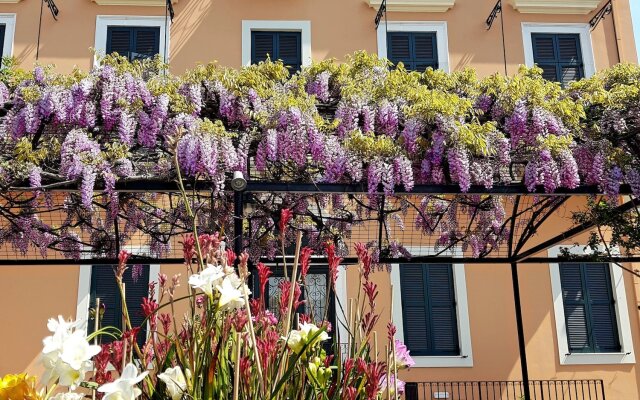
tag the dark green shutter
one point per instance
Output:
(416, 50)
(284, 46)
(104, 286)
(135, 43)
(559, 56)
(3, 29)
(589, 308)
(429, 309)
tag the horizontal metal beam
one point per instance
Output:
(350, 188)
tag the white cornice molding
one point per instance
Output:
(9, 1)
(555, 6)
(151, 3)
(414, 5)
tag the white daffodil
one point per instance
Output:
(231, 292)
(61, 329)
(175, 381)
(67, 396)
(76, 350)
(308, 334)
(125, 387)
(207, 279)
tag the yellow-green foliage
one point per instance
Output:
(24, 153)
(368, 146)
(475, 137)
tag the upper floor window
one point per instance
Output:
(559, 56)
(288, 41)
(284, 46)
(7, 29)
(135, 37)
(562, 50)
(418, 45)
(133, 42)
(104, 287)
(429, 311)
(416, 50)
(589, 308)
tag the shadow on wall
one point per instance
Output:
(186, 23)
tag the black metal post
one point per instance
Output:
(238, 215)
(521, 341)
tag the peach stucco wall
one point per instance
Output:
(207, 30)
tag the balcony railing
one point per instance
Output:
(588, 389)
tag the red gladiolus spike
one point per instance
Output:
(351, 393)
(231, 257)
(304, 318)
(285, 217)
(264, 272)
(371, 290)
(334, 262)
(188, 248)
(391, 331)
(285, 289)
(123, 257)
(305, 261)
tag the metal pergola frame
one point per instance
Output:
(516, 253)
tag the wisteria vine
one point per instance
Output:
(355, 122)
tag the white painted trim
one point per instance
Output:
(439, 27)
(105, 21)
(626, 355)
(581, 29)
(341, 296)
(84, 291)
(9, 20)
(304, 27)
(464, 326)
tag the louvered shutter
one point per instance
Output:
(444, 324)
(429, 309)
(135, 43)
(559, 56)
(604, 328)
(104, 286)
(3, 29)
(416, 50)
(399, 50)
(263, 45)
(415, 309)
(589, 308)
(575, 308)
(119, 40)
(146, 43)
(289, 50)
(425, 50)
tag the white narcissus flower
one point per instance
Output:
(175, 381)
(125, 387)
(231, 292)
(306, 335)
(207, 279)
(67, 396)
(76, 351)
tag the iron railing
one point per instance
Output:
(587, 389)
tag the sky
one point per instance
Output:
(635, 13)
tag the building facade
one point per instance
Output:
(581, 321)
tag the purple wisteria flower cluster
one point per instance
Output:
(356, 123)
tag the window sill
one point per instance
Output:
(554, 6)
(9, 1)
(443, 362)
(151, 3)
(414, 5)
(597, 358)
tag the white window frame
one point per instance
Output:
(9, 20)
(84, 289)
(439, 27)
(103, 22)
(465, 359)
(583, 30)
(626, 355)
(304, 27)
